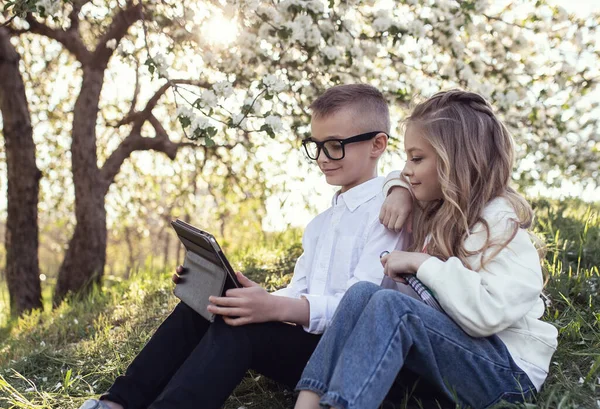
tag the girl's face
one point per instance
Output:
(421, 165)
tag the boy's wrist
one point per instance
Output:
(287, 309)
(276, 306)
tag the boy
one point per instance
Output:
(190, 363)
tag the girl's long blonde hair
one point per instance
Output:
(475, 160)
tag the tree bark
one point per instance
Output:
(21, 240)
(84, 260)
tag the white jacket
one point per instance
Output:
(504, 297)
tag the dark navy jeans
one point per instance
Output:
(190, 363)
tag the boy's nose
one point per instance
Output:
(321, 157)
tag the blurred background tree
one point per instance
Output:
(227, 86)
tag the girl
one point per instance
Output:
(472, 251)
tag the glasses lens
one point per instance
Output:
(335, 149)
(311, 149)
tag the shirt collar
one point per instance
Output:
(360, 194)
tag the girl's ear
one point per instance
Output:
(379, 145)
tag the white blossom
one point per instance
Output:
(316, 6)
(512, 97)
(223, 89)
(332, 53)
(161, 64)
(252, 5)
(417, 28)
(248, 102)
(208, 99)
(313, 36)
(185, 111)
(274, 122)
(326, 27)
(112, 43)
(199, 123)
(274, 83)
(382, 23)
(50, 7)
(545, 12)
(239, 120)
(288, 44)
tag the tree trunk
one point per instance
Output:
(84, 261)
(166, 247)
(22, 265)
(130, 251)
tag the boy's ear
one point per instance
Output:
(379, 145)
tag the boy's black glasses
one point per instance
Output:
(334, 149)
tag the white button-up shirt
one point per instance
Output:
(342, 246)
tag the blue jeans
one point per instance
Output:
(377, 333)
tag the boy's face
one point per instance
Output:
(360, 159)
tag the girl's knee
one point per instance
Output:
(364, 288)
(394, 300)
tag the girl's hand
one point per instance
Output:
(396, 209)
(399, 263)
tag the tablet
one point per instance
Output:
(207, 270)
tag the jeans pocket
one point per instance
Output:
(508, 399)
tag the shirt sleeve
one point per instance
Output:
(395, 178)
(298, 285)
(368, 268)
(489, 300)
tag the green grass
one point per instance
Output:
(57, 359)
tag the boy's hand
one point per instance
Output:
(247, 305)
(179, 271)
(400, 263)
(396, 209)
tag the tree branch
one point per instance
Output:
(74, 15)
(510, 23)
(134, 142)
(142, 116)
(71, 40)
(161, 133)
(119, 26)
(136, 90)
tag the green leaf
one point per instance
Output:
(208, 141)
(184, 121)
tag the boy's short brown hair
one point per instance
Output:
(367, 101)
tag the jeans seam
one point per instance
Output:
(312, 385)
(368, 381)
(530, 391)
(335, 400)
(451, 341)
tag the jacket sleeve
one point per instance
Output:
(488, 300)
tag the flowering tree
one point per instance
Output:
(537, 64)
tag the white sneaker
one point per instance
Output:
(94, 404)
